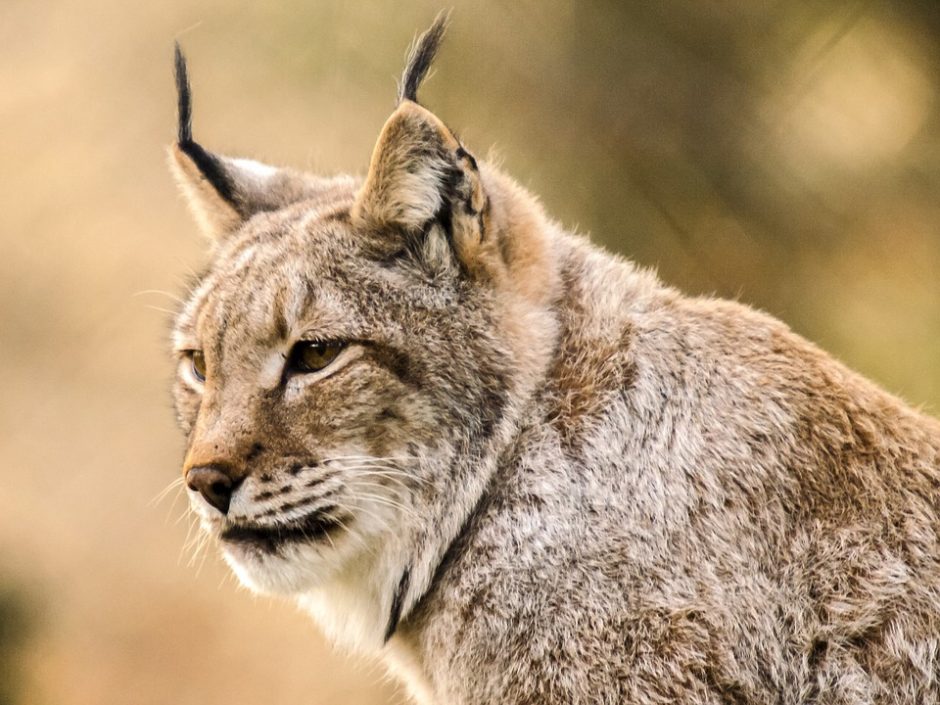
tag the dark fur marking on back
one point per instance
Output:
(458, 545)
(445, 218)
(340, 215)
(464, 154)
(495, 400)
(398, 601)
(421, 57)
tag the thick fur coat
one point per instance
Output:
(521, 470)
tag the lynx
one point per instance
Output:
(520, 469)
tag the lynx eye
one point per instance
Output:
(199, 365)
(313, 355)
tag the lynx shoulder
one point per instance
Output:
(522, 470)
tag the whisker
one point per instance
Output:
(172, 506)
(330, 539)
(399, 482)
(199, 555)
(403, 478)
(380, 466)
(161, 310)
(192, 543)
(202, 551)
(194, 551)
(375, 481)
(163, 493)
(380, 470)
(185, 513)
(227, 575)
(389, 503)
(188, 542)
(169, 295)
(356, 535)
(353, 510)
(397, 461)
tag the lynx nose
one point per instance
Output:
(213, 483)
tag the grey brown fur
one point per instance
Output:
(534, 473)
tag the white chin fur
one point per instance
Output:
(294, 570)
(345, 580)
(302, 567)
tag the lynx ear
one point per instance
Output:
(420, 175)
(419, 171)
(224, 192)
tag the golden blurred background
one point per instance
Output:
(786, 154)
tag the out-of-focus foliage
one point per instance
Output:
(15, 626)
(783, 153)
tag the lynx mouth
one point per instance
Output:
(316, 526)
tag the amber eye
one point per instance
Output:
(199, 365)
(312, 356)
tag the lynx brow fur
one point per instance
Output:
(529, 472)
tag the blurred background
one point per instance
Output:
(786, 154)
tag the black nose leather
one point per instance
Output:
(213, 483)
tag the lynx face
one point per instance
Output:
(318, 366)
(349, 359)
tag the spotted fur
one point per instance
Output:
(535, 474)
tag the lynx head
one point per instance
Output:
(355, 355)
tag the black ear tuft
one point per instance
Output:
(421, 56)
(184, 97)
(207, 163)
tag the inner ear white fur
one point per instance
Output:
(224, 192)
(214, 215)
(261, 172)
